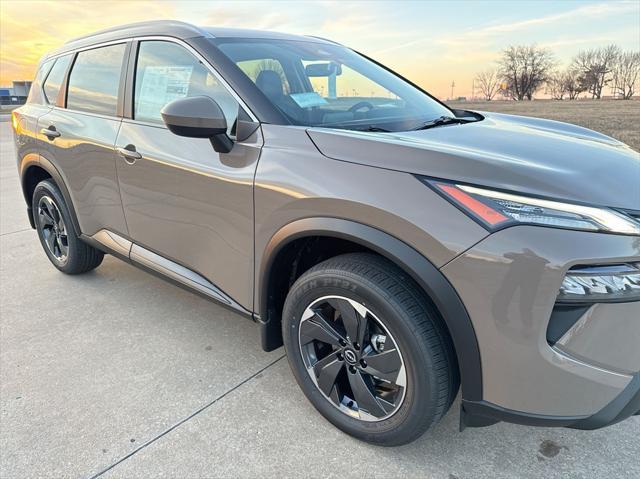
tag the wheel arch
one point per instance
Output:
(33, 171)
(428, 277)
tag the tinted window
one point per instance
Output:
(54, 79)
(253, 68)
(324, 84)
(95, 79)
(165, 72)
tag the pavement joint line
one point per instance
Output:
(14, 232)
(182, 421)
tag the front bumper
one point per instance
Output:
(587, 378)
(625, 405)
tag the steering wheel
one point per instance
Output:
(359, 105)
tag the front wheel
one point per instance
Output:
(368, 349)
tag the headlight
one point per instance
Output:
(496, 210)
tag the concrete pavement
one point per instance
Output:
(119, 374)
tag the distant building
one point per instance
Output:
(16, 94)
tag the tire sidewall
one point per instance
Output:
(418, 399)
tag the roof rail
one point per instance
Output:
(168, 25)
(323, 39)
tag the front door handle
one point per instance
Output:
(129, 153)
(50, 132)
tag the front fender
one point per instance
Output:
(432, 281)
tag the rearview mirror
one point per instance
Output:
(198, 117)
(323, 69)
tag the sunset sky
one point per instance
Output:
(430, 42)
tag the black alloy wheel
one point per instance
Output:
(54, 230)
(352, 358)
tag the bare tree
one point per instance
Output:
(595, 68)
(524, 69)
(489, 83)
(573, 85)
(563, 84)
(625, 72)
(557, 85)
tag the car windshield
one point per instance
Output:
(327, 85)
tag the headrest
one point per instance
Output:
(269, 83)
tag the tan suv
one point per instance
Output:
(398, 248)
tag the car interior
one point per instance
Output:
(300, 86)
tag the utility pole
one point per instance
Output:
(453, 84)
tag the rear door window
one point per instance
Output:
(95, 79)
(55, 78)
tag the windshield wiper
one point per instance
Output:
(442, 120)
(373, 128)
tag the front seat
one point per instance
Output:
(270, 83)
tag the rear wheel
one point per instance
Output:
(368, 349)
(64, 249)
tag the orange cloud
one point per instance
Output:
(428, 42)
(29, 29)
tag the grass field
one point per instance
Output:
(619, 119)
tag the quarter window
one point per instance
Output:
(35, 92)
(55, 78)
(165, 72)
(95, 79)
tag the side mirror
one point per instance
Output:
(198, 117)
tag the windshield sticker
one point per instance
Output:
(162, 85)
(308, 100)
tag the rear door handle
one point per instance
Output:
(50, 132)
(130, 154)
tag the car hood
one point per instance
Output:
(522, 154)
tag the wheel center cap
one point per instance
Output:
(350, 356)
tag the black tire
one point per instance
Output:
(78, 257)
(432, 378)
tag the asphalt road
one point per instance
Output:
(119, 374)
